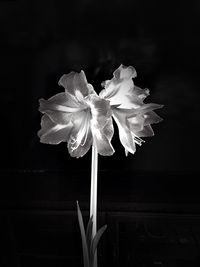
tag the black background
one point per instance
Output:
(42, 40)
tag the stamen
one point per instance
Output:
(73, 140)
(137, 139)
(87, 129)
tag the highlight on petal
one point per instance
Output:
(102, 137)
(76, 84)
(136, 122)
(139, 121)
(51, 133)
(120, 89)
(60, 107)
(64, 100)
(140, 93)
(125, 72)
(125, 135)
(100, 108)
(151, 117)
(132, 126)
(80, 139)
(101, 125)
(141, 118)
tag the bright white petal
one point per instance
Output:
(102, 137)
(125, 72)
(101, 125)
(100, 108)
(60, 107)
(51, 133)
(120, 89)
(125, 135)
(139, 122)
(74, 82)
(80, 139)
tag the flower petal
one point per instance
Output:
(141, 117)
(74, 82)
(102, 137)
(148, 107)
(80, 139)
(60, 107)
(136, 123)
(141, 93)
(151, 117)
(51, 133)
(120, 89)
(146, 132)
(125, 135)
(139, 123)
(101, 125)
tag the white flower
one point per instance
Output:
(77, 116)
(132, 115)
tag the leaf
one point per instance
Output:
(95, 242)
(83, 237)
(89, 233)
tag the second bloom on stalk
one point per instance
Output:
(77, 116)
(132, 116)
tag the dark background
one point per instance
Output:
(42, 40)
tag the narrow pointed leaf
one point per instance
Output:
(83, 237)
(89, 232)
(95, 242)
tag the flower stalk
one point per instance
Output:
(81, 118)
(93, 194)
(93, 190)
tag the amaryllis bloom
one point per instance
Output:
(132, 115)
(77, 116)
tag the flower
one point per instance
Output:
(132, 116)
(77, 116)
